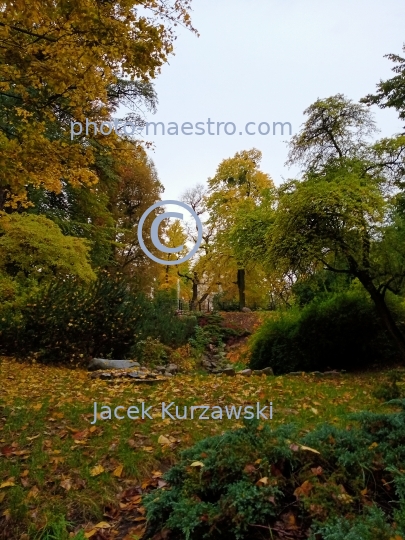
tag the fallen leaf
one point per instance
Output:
(197, 464)
(102, 525)
(8, 483)
(95, 471)
(304, 489)
(118, 471)
(33, 493)
(263, 481)
(163, 440)
(66, 484)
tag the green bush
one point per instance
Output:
(329, 484)
(72, 320)
(341, 331)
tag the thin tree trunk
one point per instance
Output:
(384, 312)
(241, 287)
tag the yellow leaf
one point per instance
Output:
(102, 525)
(197, 464)
(373, 445)
(37, 407)
(263, 481)
(118, 471)
(33, 493)
(315, 411)
(7, 484)
(24, 473)
(163, 440)
(95, 471)
(2, 495)
(92, 429)
(90, 533)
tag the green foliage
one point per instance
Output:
(331, 481)
(73, 320)
(211, 332)
(34, 247)
(391, 390)
(340, 331)
(57, 529)
(151, 352)
(369, 526)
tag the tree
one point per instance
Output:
(198, 276)
(391, 93)
(33, 247)
(72, 61)
(342, 216)
(238, 186)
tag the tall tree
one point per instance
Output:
(238, 185)
(343, 215)
(71, 61)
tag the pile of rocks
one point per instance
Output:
(105, 369)
(230, 371)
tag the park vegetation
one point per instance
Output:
(320, 258)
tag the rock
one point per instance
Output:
(168, 374)
(245, 372)
(228, 371)
(172, 368)
(104, 363)
(331, 373)
(296, 373)
(246, 310)
(160, 369)
(265, 371)
(134, 374)
(105, 376)
(206, 363)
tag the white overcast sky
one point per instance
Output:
(267, 61)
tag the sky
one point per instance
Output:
(267, 61)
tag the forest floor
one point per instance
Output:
(57, 467)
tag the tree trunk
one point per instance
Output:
(241, 287)
(383, 312)
(193, 303)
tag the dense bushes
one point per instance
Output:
(69, 320)
(340, 331)
(254, 482)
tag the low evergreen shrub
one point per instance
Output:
(341, 331)
(255, 482)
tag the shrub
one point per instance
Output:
(331, 482)
(73, 320)
(342, 331)
(151, 352)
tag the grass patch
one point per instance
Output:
(56, 466)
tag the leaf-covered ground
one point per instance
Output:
(56, 467)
